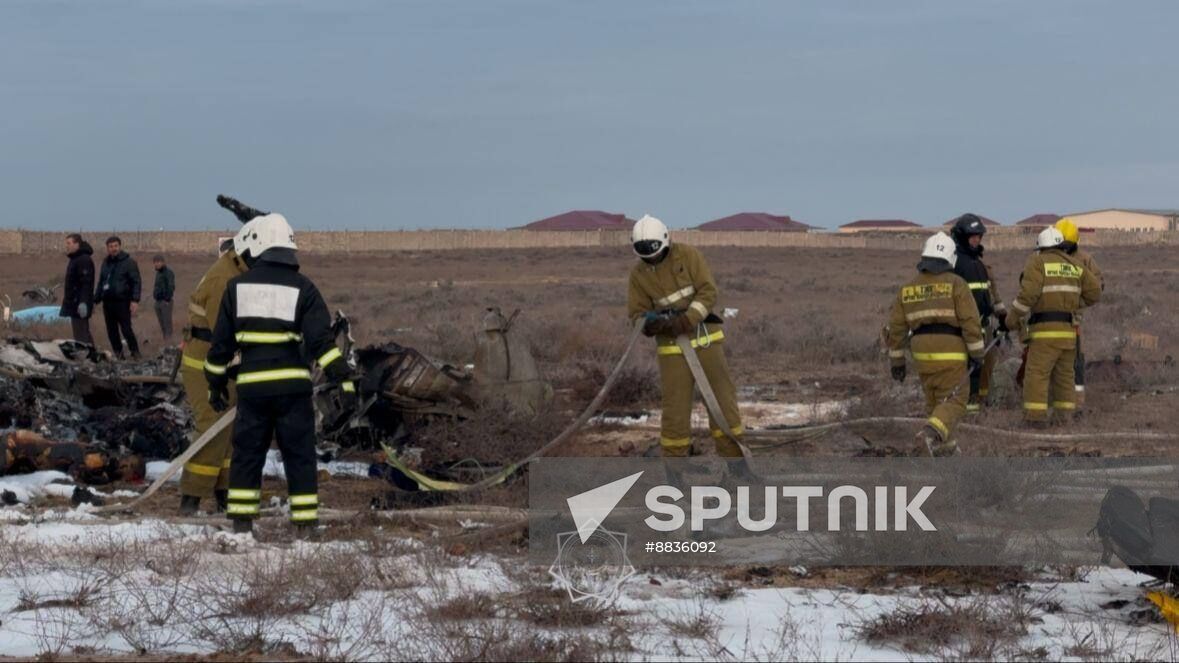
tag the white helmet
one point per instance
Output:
(1049, 238)
(240, 245)
(268, 232)
(940, 246)
(649, 237)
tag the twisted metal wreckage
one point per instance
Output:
(66, 406)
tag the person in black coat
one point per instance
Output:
(118, 291)
(77, 302)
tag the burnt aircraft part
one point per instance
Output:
(412, 382)
(1145, 538)
(42, 294)
(505, 368)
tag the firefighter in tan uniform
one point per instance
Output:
(936, 315)
(673, 286)
(207, 473)
(1053, 287)
(1072, 247)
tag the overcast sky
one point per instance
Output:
(493, 114)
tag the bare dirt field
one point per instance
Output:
(807, 329)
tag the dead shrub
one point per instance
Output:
(495, 435)
(985, 627)
(637, 384)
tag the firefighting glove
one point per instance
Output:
(657, 327)
(1002, 328)
(973, 365)
(898, 373)
(680, 324)
(219, 397)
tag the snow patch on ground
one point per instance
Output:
(124, 568)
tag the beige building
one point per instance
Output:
(1127, 219)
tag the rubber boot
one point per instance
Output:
(243, 525)
(928, 440)
(222, 497)
(189, 504)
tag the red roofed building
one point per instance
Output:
(990, 223)
(583, 220)
(1039, 220)
(868, 225)
(755, 221)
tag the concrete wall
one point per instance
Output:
(1121, 220)
(205, 242)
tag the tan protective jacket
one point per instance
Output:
(205, 302)
(681, 282)
(1053, 283)
(935, 299)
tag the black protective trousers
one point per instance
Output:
(290, 420)
(117, 315)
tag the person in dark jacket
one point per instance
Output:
(276, 318)
(165, 287)
(118, 291)
(77, 301)
(968, 232)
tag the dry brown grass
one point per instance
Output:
(979, 628)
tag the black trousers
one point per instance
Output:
(81, 329)
(290, 419)
(117, 314)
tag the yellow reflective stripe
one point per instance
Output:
(1062, 288)
(696, 342)
(979, 285)
(304, 500)
(348, 386)
(1064, 405)
(203, 470)
(197, 309)
(896, 354)
(973, 407)
(939, 426)
(267, 337)
(720, 434)
(213, 368)
(676, 296)
(939, 356)
(1020, 307)
(675, 441)
(276, 374)
(244, 494)
(329, 356)
(225, 463)
(975, 346)
(1035, 406)
(305, 514)
(235, 509)
(1054, 334)
(983, 392)
(699, 308)
(190, 362)
(931, 313)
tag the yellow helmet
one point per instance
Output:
(1068, 229)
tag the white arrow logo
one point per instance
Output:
(591, 508)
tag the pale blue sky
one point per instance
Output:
(493, 114)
